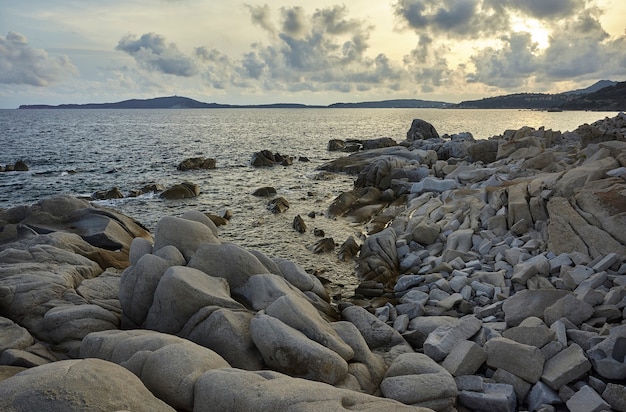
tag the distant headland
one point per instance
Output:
(604, 95)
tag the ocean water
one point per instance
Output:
(80, 152)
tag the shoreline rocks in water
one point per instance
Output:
(497, 284)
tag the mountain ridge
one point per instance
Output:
(594, 97)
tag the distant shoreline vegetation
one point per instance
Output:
(605, 95)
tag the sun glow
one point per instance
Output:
(538, 32)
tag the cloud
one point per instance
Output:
(23, 64)
(152, 53)
(452, 18)
(578, 49)
(508, 67)
(261, 16)
(548, 9)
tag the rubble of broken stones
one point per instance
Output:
(492, 284)
(508, 271)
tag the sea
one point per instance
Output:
(82, 151)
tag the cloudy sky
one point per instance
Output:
(80, 51)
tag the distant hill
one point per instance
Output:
(612, 98)
(398, 103)
(544, 101)
(172, 102)
(178, 102)
(593, 88)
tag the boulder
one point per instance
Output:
(570, 308)
(464, 359)
(194, 163)
(289, 351)
(564, 367)
(531, 331)
(179, 191)
(278, 205)
(238, 390)
(421, 130)
(301, 315)
(181, 292)
(227, 333)
(265, 191)
(442, 340)
(184, 234)
(415, 379)
(608, 357)
(228, 261)
(77, 385)
(13, 336)
(494, 397)
(527, 303)
(521, 360)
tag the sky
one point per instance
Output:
(322, 52)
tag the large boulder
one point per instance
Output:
(184, 234)
(237, 390)
(421, 130)
(289, 351)
(181, 292)
(77, 385)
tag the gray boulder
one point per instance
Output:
(442, 340)
(421, 130)
(415, 379)
(237, 390)
(289, 351)
(521, 360)
(77, 385)
(302, 316)
(227, 332)
(228, 261)
(181, 292)
(186, 235)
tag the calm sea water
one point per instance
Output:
(82, 151)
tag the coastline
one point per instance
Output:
(476, 250)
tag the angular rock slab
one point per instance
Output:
(564, 367)
(442, 340)
(415, 379)
(527, 303)
(237, 390)
(77, 385)
(521, 360)
(289, 351)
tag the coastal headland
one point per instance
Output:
(492, 277)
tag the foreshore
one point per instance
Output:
(493, 277)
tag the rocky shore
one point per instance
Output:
(493, 278)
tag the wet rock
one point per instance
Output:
(335, 145)
(278, 205)
(179, 191)
(348, 249)
(421, 130)
(298, 224)
(195, 163)
(265, 191)
(325, 245)
(113, 193)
